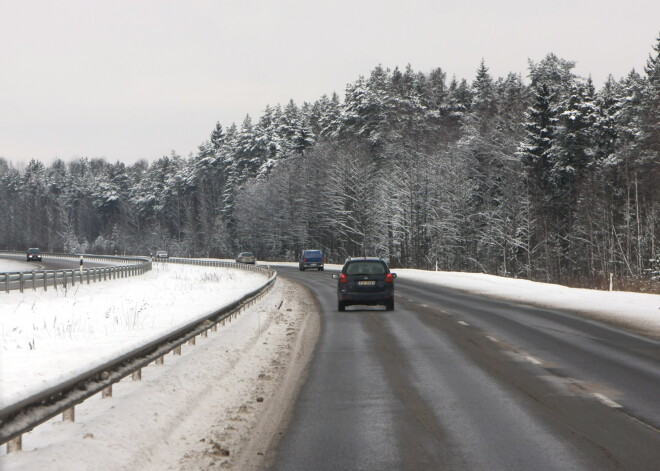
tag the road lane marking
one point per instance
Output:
(492, 339)
(533, 360)
(603, 399)
(463, 323)
(424, 305)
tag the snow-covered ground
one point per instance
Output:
(49, 336)
(7, 265)
(213, 407)
(637, 312)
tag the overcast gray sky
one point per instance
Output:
(136, 79)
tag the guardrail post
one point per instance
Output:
(88, 276)
(73, 278)
(45, 280)
(7, 282)
(177, 350)
(15, 444)
(22, 278)
(34, 281)
(69, 415)
(137, 375)
(107, 392)
(191, 341)
(160, 360)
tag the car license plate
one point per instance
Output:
(366, 283)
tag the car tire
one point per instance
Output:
(341, 306)
(302, 268)
(320, 268)
(389, 305)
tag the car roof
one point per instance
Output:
(370, 259)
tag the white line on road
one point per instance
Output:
(463, 323)
(531, 359)
(607, 401)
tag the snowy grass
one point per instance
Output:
(48, 336)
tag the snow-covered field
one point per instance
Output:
(48, 336)
(213, 407)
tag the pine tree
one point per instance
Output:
(650, 115)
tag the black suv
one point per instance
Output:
(365, 281)
(33, 254)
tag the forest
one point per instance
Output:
(541, 177)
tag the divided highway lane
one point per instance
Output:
(51, 263)
(18, 263)
(455, 381)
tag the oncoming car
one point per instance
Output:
(365, 281)
(246, 257)
(162, 254)
(33, 254)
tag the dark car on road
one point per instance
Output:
(311, 259)
(365, 281)
(33, 254)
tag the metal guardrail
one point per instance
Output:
(63, 278)
(21, 417)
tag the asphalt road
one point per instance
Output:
(452, 381)
(47, 263)
(52, 263)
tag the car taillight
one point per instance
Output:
(389, 278)
(305, 259)
(322, 260)
(343, 279)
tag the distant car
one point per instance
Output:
(246, 257)
(365, 281)
(311, 259)
(33, 254)
(162, 254)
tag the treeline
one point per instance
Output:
(545, 178)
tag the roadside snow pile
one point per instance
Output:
(49, 336)
(636, 311)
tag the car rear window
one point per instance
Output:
(366, 268)
(313, 253)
